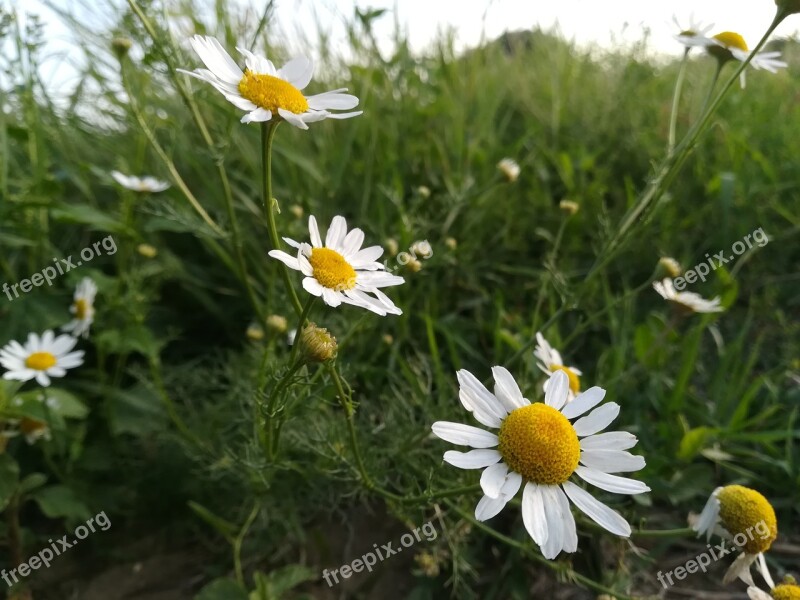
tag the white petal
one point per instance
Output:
(493, 478)
(709, 516)
(612, 440)
(761, 565)
(597, 511)
(489, 507)
(288, 260)
(555, 523)
(512, 485)
(331, 297)
(568, 521)
(557, 390)
(332, 100)
(478, 400)
(611, 483)
(336, 233)
(583, 402)
(352, 242)
(367, 255)
(349, 115)
(313, 230)
(474, 459)
(216, 58)
(597, 420)
(464, 435)
(312, 286)
(533, 516)
(298, 72)
(757, 594)
(292, 118)
(506, 390)
(612, 461)
(740, 568)
(258, 115)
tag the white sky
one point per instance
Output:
(605, 23)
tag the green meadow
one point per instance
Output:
(231, 464)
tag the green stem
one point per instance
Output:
(527, 550)
(271, 442)
(237, 544)
(301, 323)
(676, 99)
(267, 136)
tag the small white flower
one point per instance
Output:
(83, 309)
(549, 361)
(40, 358)
(340, 271)
(729, 45)
(509, 168)
(694, 35)
(743, 516)
(788, 590)
(686, 300)
(140, 184)
(266, 92)
(538, 445)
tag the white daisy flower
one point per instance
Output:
(40, 358)
(509, 168)
(34, 430)
(729, 45)
(549, 361)
(538, 445)
(266, 92)
(694, 35)
(83, 308)
(788, 590)
(744, 516)
(340, 271)
(140, 184)
(686, 301)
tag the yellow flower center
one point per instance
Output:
(574, 380)
(332, 270)
(272, 93)
(729, 39)
(746, 512)
(40, 361)
(81, 308)
(539, 443)
(688, 33)
(786, 592)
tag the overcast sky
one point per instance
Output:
(608, 23)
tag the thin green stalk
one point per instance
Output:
(676, 100)
(227, 194)
(271, 439)
(267, 136)
(183, 429)
(237, 544)
(301, 323)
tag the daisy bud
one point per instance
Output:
(424, 191)
(428, 564)
(254, 333)
(669, 266)
(414, 265)
(296, 210)
(422, 249)
(451, 243)
(147, 250)
(277, 324)
(316, 344)
(509, 168)
(387, 339)
(391, 246)
(569, 207)
(120, 46)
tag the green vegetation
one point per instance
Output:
(164, 425)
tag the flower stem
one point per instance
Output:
(676, 99)
(267, 136)
(301, 323)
